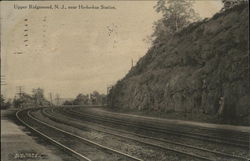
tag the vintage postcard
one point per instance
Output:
(120, 80)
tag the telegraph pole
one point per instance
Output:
(20, 91)
(51, 100)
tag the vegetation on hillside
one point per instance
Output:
(176, 15)
(227, 4)
(199, 70)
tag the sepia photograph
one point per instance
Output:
(125, 80)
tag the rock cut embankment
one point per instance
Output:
(195, 71)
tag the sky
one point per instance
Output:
(72, 51)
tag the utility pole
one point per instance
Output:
(51, 100)
(20, 91)
(132, 63)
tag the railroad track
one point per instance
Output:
(82, 148)
(189, 150)
(220, 133)
(151, 127)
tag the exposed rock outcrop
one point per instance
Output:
(196, 70)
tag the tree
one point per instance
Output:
(81, 99)
(4, 104)
(227, 4)
(24, 101)
(104, 99)
(95, 98)
(8, 104)
(67, 102)
(16, 103)
(38, 97)
(2, 100)
(176, 14)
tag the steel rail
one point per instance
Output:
(78, 125)
(193, 133)
(157, 139)
(167, 131)
(52, 140)
(151, 144)
(241, 135)
(210, 131)
(87, 140)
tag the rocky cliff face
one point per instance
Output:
(194, 71)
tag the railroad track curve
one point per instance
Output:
(68, 141)
(206, 154)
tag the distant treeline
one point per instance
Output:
(5, 104)
(88, 99)
(25, 100)
(37, 99)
